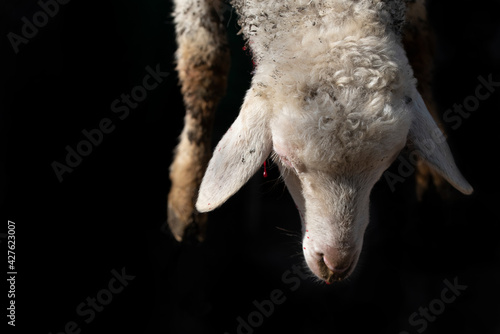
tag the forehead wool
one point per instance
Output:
(335, 76)
(326, 135)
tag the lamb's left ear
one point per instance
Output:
(238, 155)
(430, 144)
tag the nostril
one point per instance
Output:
(334, 268)
(328, 263)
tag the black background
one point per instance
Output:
(109, 213)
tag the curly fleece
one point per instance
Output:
(336, 68)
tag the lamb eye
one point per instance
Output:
(287, 163)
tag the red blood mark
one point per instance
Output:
(328, 283)
(304, 248)
(307, 237)
(244, 48)
(265, 168)
(307, 230)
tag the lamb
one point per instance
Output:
(333, 100)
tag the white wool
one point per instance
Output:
(335, 73)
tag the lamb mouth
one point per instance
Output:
(329, 276)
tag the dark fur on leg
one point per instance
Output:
(203, 66)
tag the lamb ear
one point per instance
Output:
(238, 155)
(430, 144)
